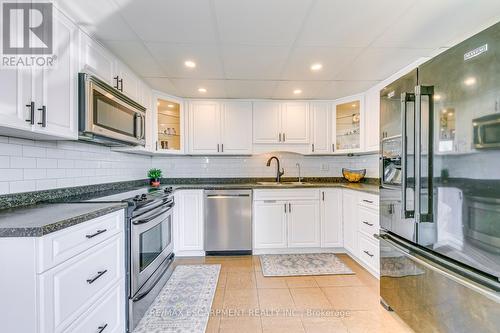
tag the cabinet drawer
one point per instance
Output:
(69, 289)
(369, 251)
(108, 313)
(286, 194)
(61, 245)
(368, 200)
(368, 221)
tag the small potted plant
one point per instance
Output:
(154, 176)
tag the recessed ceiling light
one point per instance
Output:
(470, 81)
(437, 97)
(297, 91)
(316, 67)
(170, 105)
(189, 64)
(353, 105)
(202, 90)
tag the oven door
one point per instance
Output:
(151, 243)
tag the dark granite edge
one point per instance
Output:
(253, 180)
(34, 197)
(59, 225)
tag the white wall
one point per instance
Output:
(27, 165)
(255, 166)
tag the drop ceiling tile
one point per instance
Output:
(249, 88)
(310, 89)
(162, 84)
(433, 24)
(189, 88)
(260, 22)
(333, 59)
(254, 62)
(99, 18)
(186, 21)
(354, 23)
(338, 89)
(172, 57)
(380, 63)
(136, 56)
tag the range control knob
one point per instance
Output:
(143, 196)
(137, 198)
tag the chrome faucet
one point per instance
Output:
(298, 167)
(279, 172)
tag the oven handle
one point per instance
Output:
(149, 219)
(146, 292)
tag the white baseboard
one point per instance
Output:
(299, 250)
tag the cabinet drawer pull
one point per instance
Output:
(368, 223)
(98, 232)
(101, 328)
(368, 201)
(99, 274)
(368, 253)
(32, 113)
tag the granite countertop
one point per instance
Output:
(41, 219)
(34, 214)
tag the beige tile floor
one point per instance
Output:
(246, 301)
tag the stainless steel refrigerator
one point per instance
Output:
(440, 190)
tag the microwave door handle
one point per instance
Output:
(419, 92)
(143, 127)
(138, 126)
(405, 98)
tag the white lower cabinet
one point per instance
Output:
(303, 223)
(350, 221)
(331, 218)
(66, 281)
(189, 223)
(270, 224)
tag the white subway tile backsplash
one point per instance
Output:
(47, 163)
(10, 149)
(4, 162)
(35, 174)
(7, 175)
(23, 185)
(22, 162)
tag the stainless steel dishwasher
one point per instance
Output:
(228, 222)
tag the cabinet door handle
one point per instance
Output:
(333, 147)
(368, 253)
(117, 87)
(323, 196)
(101, 328)
(222, 147)
(98, 275)
(280, 138)
(121, 84)
(367, 223)
(284, 137)
(31, 120)
(98, 232)
(218, 148)
(43, 109)
(289, 207)
(313, 147)
(285, 208)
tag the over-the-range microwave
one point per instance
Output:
(486, 132)
(108, 116)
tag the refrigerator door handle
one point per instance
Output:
(419, 92)
(405, 98)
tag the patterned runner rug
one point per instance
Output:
(184, 303)
(302, 264)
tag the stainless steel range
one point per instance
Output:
(149, 246)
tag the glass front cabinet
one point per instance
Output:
(169, 125)
(348, 123)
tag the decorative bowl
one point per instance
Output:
(353, 176)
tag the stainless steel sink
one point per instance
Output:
(282, 183)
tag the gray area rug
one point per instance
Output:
(302, 264)
(398, 267)
(184, 303)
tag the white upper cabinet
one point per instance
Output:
(204, 128)
(321, 142)
(220, 128)
(295, 122)
(348, 121)
(15, 106)
(266, 122)
(96, 59)
(281, 123)
(236, 128)
(128, 82)
(372, 119)
(168, 124)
